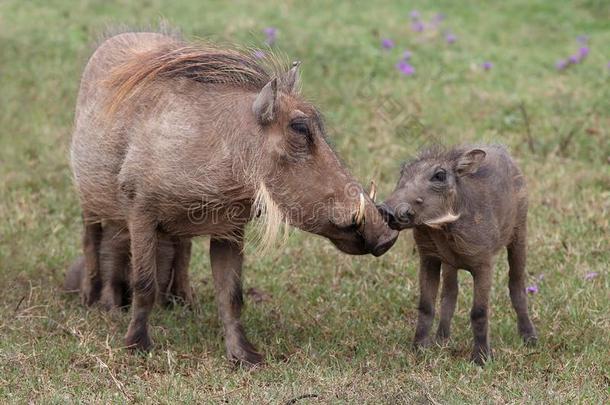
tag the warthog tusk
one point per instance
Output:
(373, 191)
(436, 223)
(359, 217)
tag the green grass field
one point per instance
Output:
(335, 328)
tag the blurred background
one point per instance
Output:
(390, 78)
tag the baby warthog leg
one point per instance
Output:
(516, 284)
(429, 277)
(479, 315)
(449, 295)
(91, 283)
(227, 259)
(144, 283)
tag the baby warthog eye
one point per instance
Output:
(300, 127)
(440, 176)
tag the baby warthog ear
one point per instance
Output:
(292, 78)
(469, 162)
(264, 105)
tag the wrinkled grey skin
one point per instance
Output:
(486, 191)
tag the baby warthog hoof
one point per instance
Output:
(245, 355)
(422, 344)
(528, 334)
(442, 340)
(481, 354)
(443, 334)
(140, 342)
(530, 340)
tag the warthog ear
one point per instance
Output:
(291, 79)
(264, 105)
(469, 162)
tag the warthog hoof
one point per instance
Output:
(181, 297)
(90, 291)
(111, 299)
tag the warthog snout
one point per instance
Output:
(367, 232)
(384, 243)
(384, 237)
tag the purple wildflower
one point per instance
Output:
(405, 68)
(573, 59)
(415, 15)
(387, 43)
(406, 55)
(259, 54)
(487, 65)
(561, 64)
(438, 18)
(583, 52)
(608, 65)
(450, 38)
(532, 289)
(417, 26)
(271, 33)
(591, 275)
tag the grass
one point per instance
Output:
(337, 328)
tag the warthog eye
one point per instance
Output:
(300, 127)
(440, 176)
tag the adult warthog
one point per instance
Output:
(177, 140)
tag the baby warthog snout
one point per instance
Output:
(398, 217)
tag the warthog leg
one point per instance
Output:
(449, 295)
(516, 284)
(144, 243)
(429, 277)
(227, 258)
(91, 282)
(479, 314)
(181, 287)
(114, 259)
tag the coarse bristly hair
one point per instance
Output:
(439, 152)
(434, 152)
(168, 57)
(200, 61)
(271, 221)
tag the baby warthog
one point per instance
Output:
(464, 205)
(174, 140)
